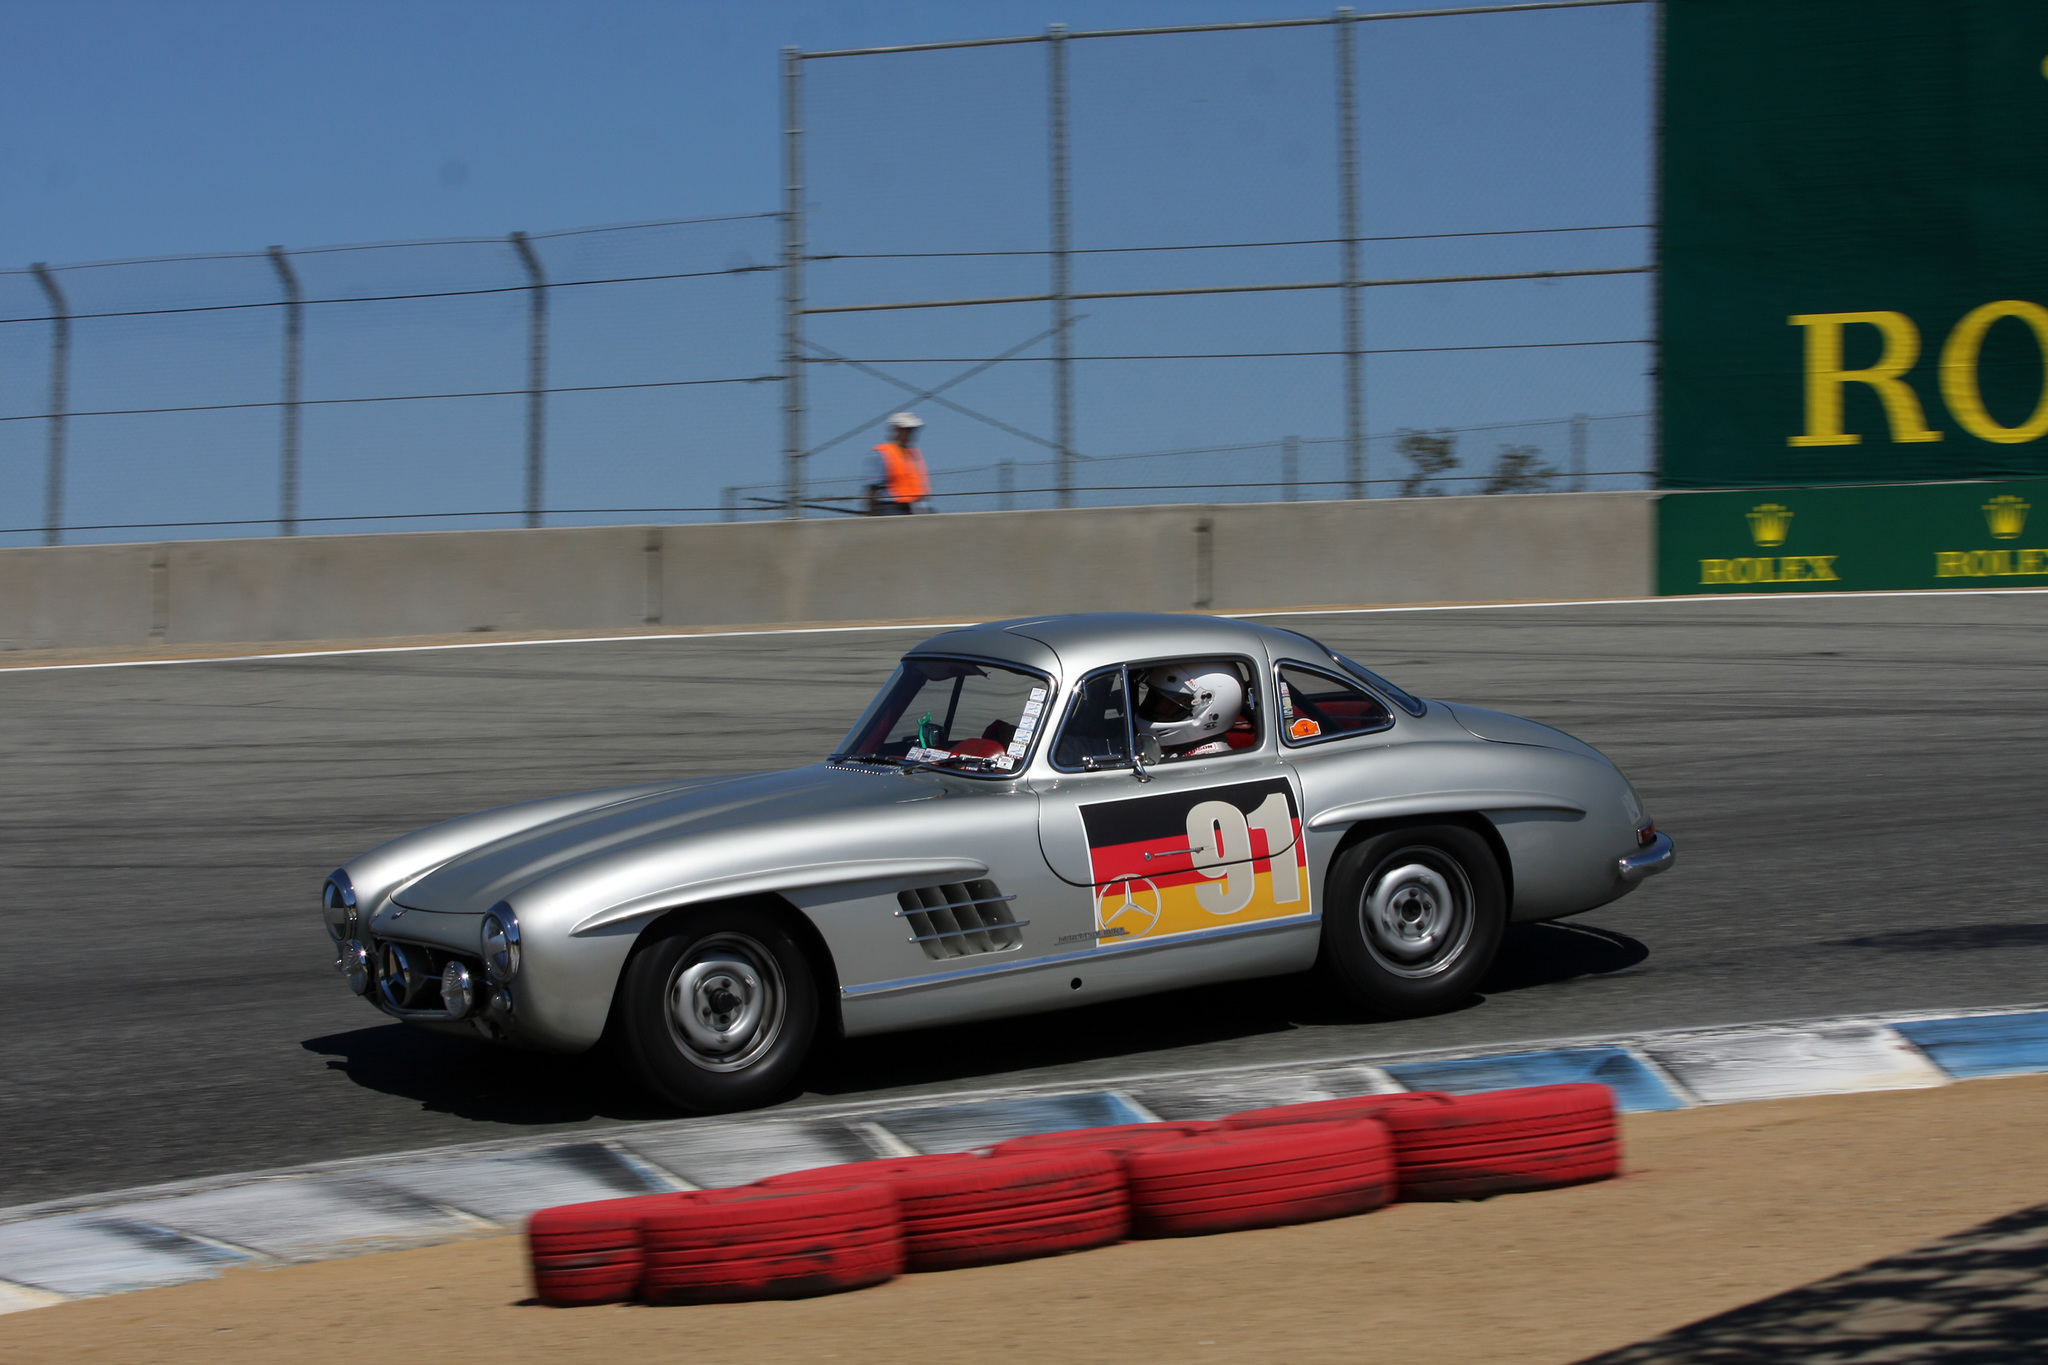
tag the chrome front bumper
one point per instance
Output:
(1648, 862)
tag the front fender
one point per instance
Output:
(579, 924)
(390, 866)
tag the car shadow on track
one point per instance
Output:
(1532, 955)
(493, 1085)
(1553, 953)
(478, 1081)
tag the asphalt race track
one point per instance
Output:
(1857, 787)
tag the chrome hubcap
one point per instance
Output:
(1417, 913)
(725, 1002)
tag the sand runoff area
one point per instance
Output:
(1719, 1207)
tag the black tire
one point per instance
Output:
(725, 963)
(1412, 918)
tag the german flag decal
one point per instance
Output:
(1205, 859)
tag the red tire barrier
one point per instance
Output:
(585, 1253)
(1470, 1146)
(718, 1246)
(973, 1210)
(1259, 1177)
(1534, 1138)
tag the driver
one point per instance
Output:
(1190, 707)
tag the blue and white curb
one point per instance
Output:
(171, 1234)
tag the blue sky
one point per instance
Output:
(132, 129)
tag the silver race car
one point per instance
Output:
(1031, 814)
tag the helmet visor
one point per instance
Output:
(1165, 707)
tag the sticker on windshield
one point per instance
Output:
(1182, 862)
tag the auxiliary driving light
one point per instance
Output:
(499, 937)
(458, 992)
(354, 966)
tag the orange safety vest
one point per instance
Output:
(904, 465)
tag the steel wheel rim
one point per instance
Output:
(1417, 912)
(725, 1002)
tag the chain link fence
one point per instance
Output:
(1107, 268)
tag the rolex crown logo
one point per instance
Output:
(1770, 523)
(2007, 516)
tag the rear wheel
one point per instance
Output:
(1412, 919)
(717, 1009)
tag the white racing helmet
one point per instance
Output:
(1188, 702)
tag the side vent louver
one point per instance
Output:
(960, 918)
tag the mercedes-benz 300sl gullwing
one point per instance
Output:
(1031, 814)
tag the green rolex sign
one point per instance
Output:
(1929, 535)
(1854, 282)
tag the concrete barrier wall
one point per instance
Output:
(966, 566)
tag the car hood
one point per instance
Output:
(1502, 728)
(474, 880)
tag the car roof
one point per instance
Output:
(1075, 644)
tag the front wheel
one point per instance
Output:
(717, 1009)
(1412, 919)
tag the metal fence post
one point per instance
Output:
(1658, 20)
(1579, 453)
(1290, 467)
(1354, 344)
(536, 376)
(729, 505)
(60, 377)
(294, 335)
(792, 283)
(1006, 485)
(1062, 279)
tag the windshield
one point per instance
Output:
(963, 715)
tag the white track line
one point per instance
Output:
(481, 644)
(959, 625)
(1641, 601)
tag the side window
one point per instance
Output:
(1197, 708)
(1096, 733)
(1315, 706)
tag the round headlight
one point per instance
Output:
(499, 940)
(458, 992)
(338, 907)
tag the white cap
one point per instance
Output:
(908, 420)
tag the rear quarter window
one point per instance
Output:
(1316, 707)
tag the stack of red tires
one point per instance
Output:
(843, 1227)
(979, 1210)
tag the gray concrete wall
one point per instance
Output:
(967, 566)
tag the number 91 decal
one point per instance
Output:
(1182, 862)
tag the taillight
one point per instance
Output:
(1646, 834)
